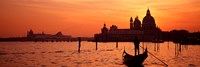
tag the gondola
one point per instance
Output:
(134, 61)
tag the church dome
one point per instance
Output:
(148, 21)
(137, 24)
(104, 27)
(137, 21)
(104, 30)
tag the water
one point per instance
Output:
(65, 54)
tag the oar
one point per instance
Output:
(155, 56)
(123, 52)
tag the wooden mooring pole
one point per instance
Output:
(79, 44)
(96, 42)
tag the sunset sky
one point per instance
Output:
(86, 17)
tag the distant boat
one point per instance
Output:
(134, 61)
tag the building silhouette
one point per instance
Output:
(146, 31)
(42, 36)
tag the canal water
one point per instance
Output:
(65, 54)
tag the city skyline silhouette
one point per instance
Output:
(73, 17)
(99, 33)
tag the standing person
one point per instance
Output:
(136, 43)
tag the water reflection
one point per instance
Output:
(179, 48)
(64, 54)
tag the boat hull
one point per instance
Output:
(133, 61)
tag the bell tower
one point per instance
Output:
(131, 23)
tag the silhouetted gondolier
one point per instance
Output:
(136, 43)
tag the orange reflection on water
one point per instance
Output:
(65, 54)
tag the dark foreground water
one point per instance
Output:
(64, 54)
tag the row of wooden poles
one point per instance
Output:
(79, 47)
(79, 44)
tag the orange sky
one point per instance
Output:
(86, 17)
